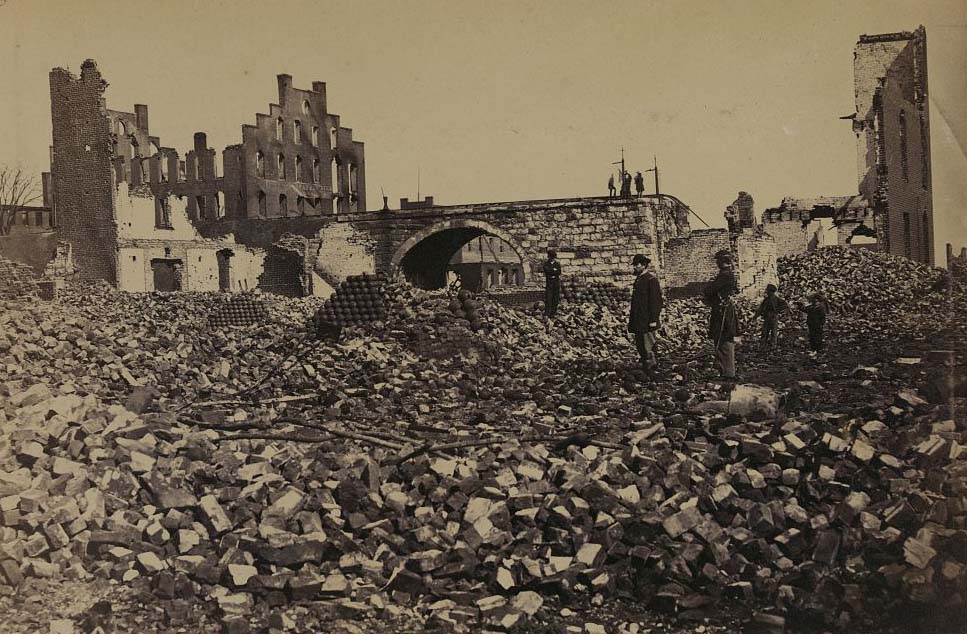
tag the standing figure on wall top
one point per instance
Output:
(639, 184)
(626, 184)
(611, 190)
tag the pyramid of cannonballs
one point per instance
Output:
(241, 310)
(359, 299)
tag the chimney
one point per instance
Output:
(201, 142)
(285, 83)
(319, 87)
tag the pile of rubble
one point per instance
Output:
(473, 474)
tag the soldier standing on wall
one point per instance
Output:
(639, 184)
(611, 190)
(626, 184)
(723, 323)
(552, 284)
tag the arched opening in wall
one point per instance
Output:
(260, 164)
(182, 174)
(218, 168)
(297, 131)
(263, 206)
(283, 205)
(196, 168)
(130, 150)
(316, 173)
(333, 138)
(426, 262)
(163, 164)
(281, 167)
(306, 108)
(353, 180)
(298, 169)
(219, 206)
(279, 126)
(315, 136)
(120, 129)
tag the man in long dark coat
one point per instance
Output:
(646, 305)
(723, 323)
(552, 283)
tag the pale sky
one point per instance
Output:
(515, 100)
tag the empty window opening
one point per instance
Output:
(196, 171)
(335, 177)
(181, 172)
(297, 131)
(219, 208)
(162, 213)
(202, 205)
(283, 205)
(353, 184)
(281, 167)
(263, 212)
(260, 164)
(333, 137)
(316, 175)
(163, 161)
(298, 168)
(306, 108)
(903, 146)
(217, 167)
(279, 125)
(924, 153)
(315, 136)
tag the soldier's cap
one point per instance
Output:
(724, 254)
(640, 259)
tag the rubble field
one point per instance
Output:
(217, 463)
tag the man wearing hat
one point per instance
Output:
(646, 305)
(552, 283)
(723, 323)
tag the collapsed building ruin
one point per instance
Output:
(893, 210)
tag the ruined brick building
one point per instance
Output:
(893, 210)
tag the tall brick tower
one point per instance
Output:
(81, 170)
(892, 126)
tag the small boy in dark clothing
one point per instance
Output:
(815, 321)
(770, 309)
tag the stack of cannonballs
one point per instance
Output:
(359, 299)
(601, 293)
(242, 310)
(464, 306)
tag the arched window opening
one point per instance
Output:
(333, 138)
(163, 160)
(315, 136)
(260, 164)
(279, 124)
(334, 164)
(316, 174)
(306, 108)
(196, 169)
(283, 205)
(298, 169)
(217, 167)
(281, 167)
(353, 184)
(263, 212)
(119, 128)
(182, 176)
(297, 131)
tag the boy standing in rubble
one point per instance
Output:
(816, 313)
(771, 308)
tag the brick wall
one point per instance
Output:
(756, 254)
(689, 261)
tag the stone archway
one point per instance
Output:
(423, 258)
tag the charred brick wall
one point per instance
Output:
(689, 261)
(81, 170)
(892, 126)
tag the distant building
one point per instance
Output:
(488, 262)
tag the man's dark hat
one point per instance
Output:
(640, 259)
